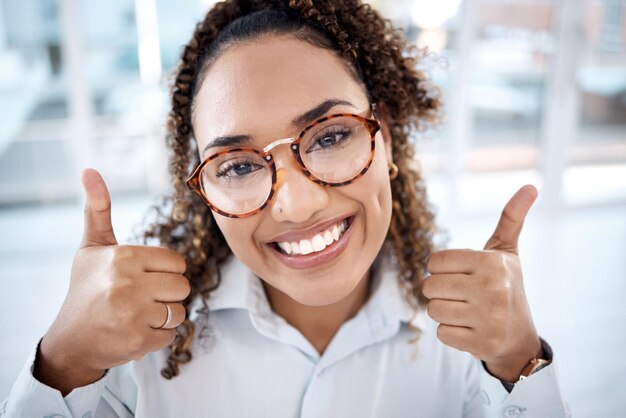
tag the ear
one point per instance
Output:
(383, 114)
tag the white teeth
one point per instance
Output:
(328, 237)
(335, 232)
(319, 242)
(305, 247)
(286, 247)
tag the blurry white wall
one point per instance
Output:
(534, 85)
(534, 90)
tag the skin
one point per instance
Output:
(479, 300)
(118, 290)
(257, 89)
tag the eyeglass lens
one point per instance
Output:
(334, 151)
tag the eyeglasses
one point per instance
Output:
(333, 151)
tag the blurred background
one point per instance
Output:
(534, 90)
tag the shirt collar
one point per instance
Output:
(240, 288)
(388, 294)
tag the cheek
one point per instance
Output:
(373, 192)
(376, 182)
(238, 233)
(380, 206)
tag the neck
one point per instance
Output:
(319, 324)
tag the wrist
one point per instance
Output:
(509, 369)
(55, 367)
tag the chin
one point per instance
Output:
(322, 293)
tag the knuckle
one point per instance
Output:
(497, 263)
(426, 288)
(178, 259)
(183, 263)
(121, 288)
(484, 257)
(433, 259)
(166, 338)
(181, 313)
(122, 253)
(501, 266)
(429, 263)
(184, 287)
(174, 259)
(432, 308)
(171, 336)
(160, 338)
(429, 308)
(442, 333)
(116, 270)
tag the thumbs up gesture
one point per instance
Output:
(479, 300)
(123, 301)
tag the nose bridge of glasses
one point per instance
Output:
(278, 142)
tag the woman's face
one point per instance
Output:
(257, 89)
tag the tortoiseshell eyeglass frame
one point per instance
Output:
(372, 125)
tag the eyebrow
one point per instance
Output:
(308, 116)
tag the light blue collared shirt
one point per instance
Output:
(249, 362)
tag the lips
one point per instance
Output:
(317, 242)
(315, 258)
(308, 233)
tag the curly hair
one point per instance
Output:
(379, 56)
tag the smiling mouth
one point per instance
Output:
(317, 243)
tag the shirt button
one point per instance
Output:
(512, 411)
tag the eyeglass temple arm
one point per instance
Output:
(375, 111)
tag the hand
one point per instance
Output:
(479, 300)
(114, 306)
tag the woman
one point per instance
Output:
(290, 280)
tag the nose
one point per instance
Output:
(297, 196)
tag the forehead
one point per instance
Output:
(256, 86)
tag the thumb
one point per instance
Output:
(512, 219)
(98, 229)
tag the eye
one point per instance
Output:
(333, 137)
(233, 169)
